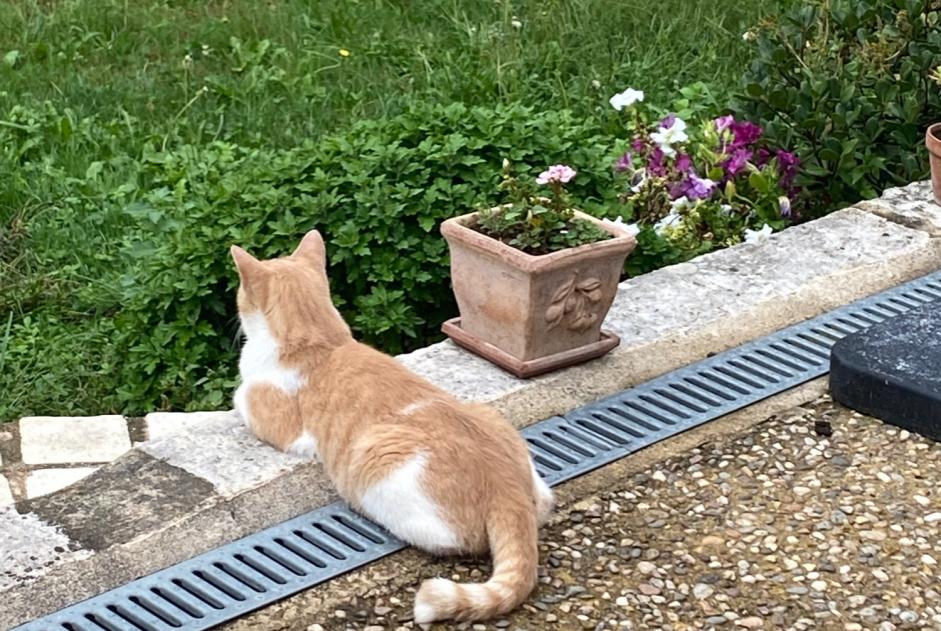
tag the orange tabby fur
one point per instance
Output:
(381, 430)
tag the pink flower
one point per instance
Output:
(724, 122)
(557, 173)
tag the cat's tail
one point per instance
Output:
(512, 534)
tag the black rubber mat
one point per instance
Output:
(892, 371)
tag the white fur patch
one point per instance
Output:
(434, 589)
(260, 363)
(411, 408)
(305, 446)
(399, 503)
(544, 498)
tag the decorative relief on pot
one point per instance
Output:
(575, 304)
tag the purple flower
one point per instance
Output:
(762, 157)
(655, 165)
(784, 204)
(683, 163)
(744, 133)
(668, 122)
(700, 188)
(787, 168)
(638, 145)
(734, 165)
(624, 163)
(693, 187)
(724, 122)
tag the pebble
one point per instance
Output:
(908, 616)
(702, 591)
(751, 622)
(873, 535)
(932, 518)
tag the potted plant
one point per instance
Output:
(933, 143)
(534, 278)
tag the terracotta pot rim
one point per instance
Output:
(622, 241)
(933, 139)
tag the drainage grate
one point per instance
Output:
(589, 437)
(249, 573)
(234, 579)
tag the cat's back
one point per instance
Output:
(356, 378)
(362, 381)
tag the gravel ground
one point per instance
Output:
(818, 519)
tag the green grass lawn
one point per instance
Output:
(90, 88)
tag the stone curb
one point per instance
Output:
(180, 494)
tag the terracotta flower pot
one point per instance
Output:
(933, 142)
(533, 314)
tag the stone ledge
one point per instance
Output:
(912, 206)
(172, 498)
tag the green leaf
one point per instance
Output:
(11, 58)
(94, 170)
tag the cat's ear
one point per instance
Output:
(246, 264)
(311, 248)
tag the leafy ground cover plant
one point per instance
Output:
(846, 84)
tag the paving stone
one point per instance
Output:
(224, 452)
(163, 424)
(29, 548)
(44, 481)
(63, 439)
(133, 496)
(6, 496)
(911, 206)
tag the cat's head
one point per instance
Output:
(290, 296)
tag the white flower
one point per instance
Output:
(758, 236)
(726, 209)
(749, 36)
(680, 204)
(595, 84)
(665, 138)
(631, 228)
(668, 222)
(638, 180)
(626, 98)
(515, 23)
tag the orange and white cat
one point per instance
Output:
(445, 476)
